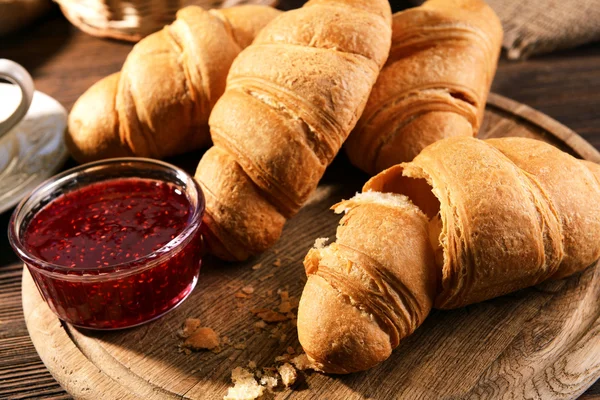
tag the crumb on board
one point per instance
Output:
(269, 381)
(190, 325)
(260, 325)
(250, 383)
(202, 339)
(288, 374)
(248, 289)
(244, 386)
(240, 346)
(256, 266)
(270, 292)
(271, 316)
(240, 295)
(277, 263)
(290, 350)
(283, 358)
(301, 362)
(265, 277)
(285, 307)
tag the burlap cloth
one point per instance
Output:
(541, 26)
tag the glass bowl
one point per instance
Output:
(123, 294)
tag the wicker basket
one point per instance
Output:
(132, 20)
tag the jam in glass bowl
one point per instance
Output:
(114, 243)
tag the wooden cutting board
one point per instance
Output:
(542, 342)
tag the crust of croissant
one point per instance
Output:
(576, 203)
(504, 214)
(158, 105)
(509, 219)
(443, 60)
(284, 121)
(252, 222)
(365, 293)
(95, 135)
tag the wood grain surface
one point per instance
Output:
(65, 62)
(542, 342)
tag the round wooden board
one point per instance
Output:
(542, 342)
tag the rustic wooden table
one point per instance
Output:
(64, 62)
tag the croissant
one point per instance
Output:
(282, 121)
(158, 105)
(434, 85)
(466, 221)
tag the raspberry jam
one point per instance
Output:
(114, 252)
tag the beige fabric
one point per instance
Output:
(541, 26)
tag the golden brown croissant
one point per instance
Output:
(292, 98)
(501, 214)
(434, 84)
(158, 105)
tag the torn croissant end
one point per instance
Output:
(466, 221)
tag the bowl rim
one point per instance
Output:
(159, 256)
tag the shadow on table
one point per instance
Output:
(35, 43)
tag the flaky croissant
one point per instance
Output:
(434, 85)
(292, 98)
(501, 215)
(158, 105)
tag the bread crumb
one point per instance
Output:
(283, 358)
(248, 289)
(245, 387)
(251, 364)
(257, 266)
(189, 326)
(271, 316)
(302, 362)
(277, 263)
(203, 339)
(282, 337)
(239, 346)
(269, 381)
(258, 310)
(288, 374)
(241, 295)
(270, 292)
(260, 325)
(285, 307)
(264, 278)
(290, 350)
